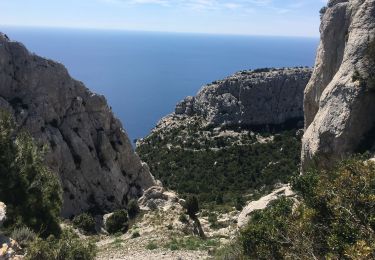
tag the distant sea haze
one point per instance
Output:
(143, 75)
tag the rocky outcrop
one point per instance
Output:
(251, 98)
(262, 203)
(157, 197)
(338, 106)
(87, 145)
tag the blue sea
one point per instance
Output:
(144, 74)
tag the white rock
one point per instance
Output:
(262, 203)
(3, 210)
(251, 98)
(338, 113)
(88, 147)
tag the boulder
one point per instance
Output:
(158, 198)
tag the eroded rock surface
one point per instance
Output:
(338, 108)
(87, 145)
(251, 98)
(262, 203)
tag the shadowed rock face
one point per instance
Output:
(251, 98)
(339, 113)
(87, 145)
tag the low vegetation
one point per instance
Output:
(68, 247)
(133, 208)
(117, 222)
(85, 223)
(30, 190)
(192, 209)
(220, 166)
(33, 197)
(191, 243)
(334, 220)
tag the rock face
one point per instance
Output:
(3, 211)
(87, 145)
(262, 203)
(251, 98)
(338, 109)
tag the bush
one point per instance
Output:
(263, 238)
(136, 234)
(192, 206)
(240, 203)
(68, 247)
(323, 10)
(183, 219)
(117, 222)
(23, 236)
(335, 220)
(212, 219)
(85, 223)
(151, 245)
(133, 208)
(30, 190)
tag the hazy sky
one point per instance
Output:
(256, 17)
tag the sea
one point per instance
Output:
(144, 74)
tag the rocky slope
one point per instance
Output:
(86, 145)
(338, 99)
(251, 98)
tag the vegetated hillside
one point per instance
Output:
(334, 218)
(221, 160)
(220, 165)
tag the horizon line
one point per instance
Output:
(152, 31)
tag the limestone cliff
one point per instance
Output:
(251, 98)
(86, 145)
(338, 105)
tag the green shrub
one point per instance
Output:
(135, 234)
(23, 236)
(192, 206)
(183, 219)
(85, 223)
(151, 245)
(133, 208)
(191, 243)
(239, 203)
(335, 220)
(68, 247)
(231, 251)
(117, 222)
(263, 238)
(212, 219)
(232, 170)
(30, 190)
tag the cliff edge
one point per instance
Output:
(251, 98)
(339, 102)
(86, 145)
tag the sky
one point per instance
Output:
(243, 17)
